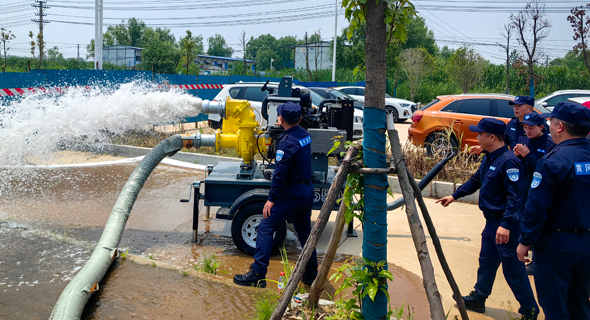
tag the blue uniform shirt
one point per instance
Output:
(558, 194)
(515, 133)
(292, 161)
(538, 148)
(499, 178)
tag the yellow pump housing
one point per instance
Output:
(240, 130)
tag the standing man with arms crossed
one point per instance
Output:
(499, 179)
(557, 218)
(290, 196)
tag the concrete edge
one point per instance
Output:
(435, 189)
(190, 271)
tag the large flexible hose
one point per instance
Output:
(74, 297)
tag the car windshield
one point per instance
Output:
(430, 104)
(340, 94)
(388, 96)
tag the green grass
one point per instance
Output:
(266, 302)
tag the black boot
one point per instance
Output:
(250, 279)
(474, 302)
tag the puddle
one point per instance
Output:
(144, 292)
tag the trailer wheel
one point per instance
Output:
(244, 229)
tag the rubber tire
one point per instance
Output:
(436, 135)
(240, 218)
(395, 114)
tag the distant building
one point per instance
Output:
(122, 55)
(318, 55)
(213, 64)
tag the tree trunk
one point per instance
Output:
(315, 234)
(434, 299)
(374, 156)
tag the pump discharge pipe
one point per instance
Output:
(238, 132)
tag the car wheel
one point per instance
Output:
(244, 229)
(389, 109)
(441, 144)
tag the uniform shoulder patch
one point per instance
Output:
(513, 174)
(537, 178)
(305, 141)
(582, 168)
(280, 154)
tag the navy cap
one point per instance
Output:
(523, 100)
(533, 119)
(570, 112)
(290, 111)
(490, 125)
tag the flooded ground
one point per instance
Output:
(49, 232)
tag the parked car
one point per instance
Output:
(329, 93)
(252, 92)
(402, 109)
(443, 124)
(551, 100)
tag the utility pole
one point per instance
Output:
(335, 38)
(40, 5)
(547, 64)
(98, 34)
(78, 52)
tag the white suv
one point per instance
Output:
(551, 100)
(252, 92)
(402, 109)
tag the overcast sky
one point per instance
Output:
(454, 22)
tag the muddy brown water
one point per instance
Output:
(49, 225)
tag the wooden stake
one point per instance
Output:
(436, 309)
(316, 232)
(320, 280)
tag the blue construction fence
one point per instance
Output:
(67, 78)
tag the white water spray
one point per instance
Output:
(37, 125)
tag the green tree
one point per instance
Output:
(161, 53)
(380, 21)
(218, 47)
(53, 55)
(467, 68)
(417, 65)
(190, 46)
(5, 36)
(419, 36)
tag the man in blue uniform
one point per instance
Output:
(539, 143)
(290, 196)
(515, 134)
(557, 219)
(499, 179)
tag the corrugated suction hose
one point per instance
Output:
(74, 297)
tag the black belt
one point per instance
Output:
(579, 231)
(297, 182)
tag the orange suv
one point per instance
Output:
(453, 114)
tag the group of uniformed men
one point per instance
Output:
(532, 189)
(532, 194)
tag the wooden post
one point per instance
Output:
(316, 232)
(434, 299)
(320, 280)
(438, 247)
